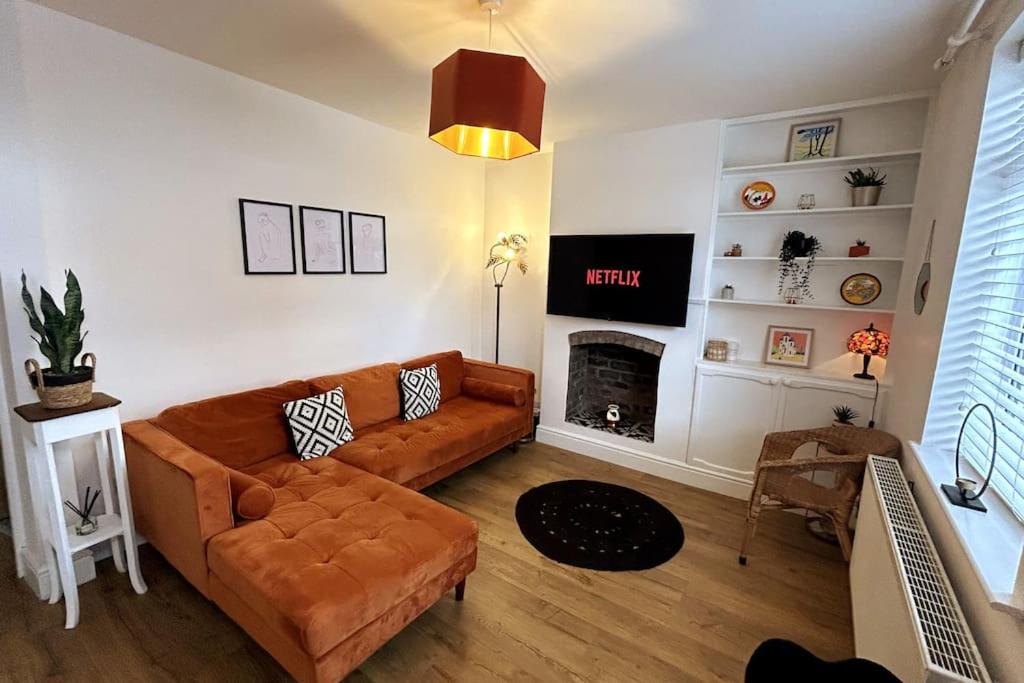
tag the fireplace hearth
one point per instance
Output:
(607, 367)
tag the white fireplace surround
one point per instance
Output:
(666, 457)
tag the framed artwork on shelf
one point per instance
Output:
(268, 237)
(813, 140)
(323, 240)
(367, 243)
(790, 346)
(860, 289)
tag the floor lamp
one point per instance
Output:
(509, 250)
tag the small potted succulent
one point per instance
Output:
(845, 415)
(865, 187)
(861, 248)
(64, 384)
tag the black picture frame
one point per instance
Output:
(352, 243)
(302, 239)
(245, 245)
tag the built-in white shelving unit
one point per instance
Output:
(884, 133)
(736, 403)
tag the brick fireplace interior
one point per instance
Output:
(613, 367)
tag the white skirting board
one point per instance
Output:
(644, 462)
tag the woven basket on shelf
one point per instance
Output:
(55, 397)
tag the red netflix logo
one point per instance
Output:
(622, 278)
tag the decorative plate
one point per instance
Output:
(758, 195)
(860, 289)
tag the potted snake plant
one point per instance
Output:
(64, 384)
(865, 186)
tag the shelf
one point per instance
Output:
(839, 210)
(814, 164)
(818, 373)
(109, 526)
(819, 259)
(809, 307)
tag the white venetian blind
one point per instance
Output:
(982, 353)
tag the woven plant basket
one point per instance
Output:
(56, 396)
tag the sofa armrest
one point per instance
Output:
(180, 497)
(505, 374)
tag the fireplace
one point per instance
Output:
(607, 367)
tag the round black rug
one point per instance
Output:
(595, 525)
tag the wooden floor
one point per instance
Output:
(695, 618)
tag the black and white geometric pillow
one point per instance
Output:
(319, 423)
(421, 392)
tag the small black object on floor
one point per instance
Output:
(595, 525)
(783, 660)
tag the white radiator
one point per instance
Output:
(905, 614)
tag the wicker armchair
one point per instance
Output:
(779, 482)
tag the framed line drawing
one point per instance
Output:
(367, 243)
(268, 237)
(322, 234)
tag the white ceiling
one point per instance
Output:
(610, 65)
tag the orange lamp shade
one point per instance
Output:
(870, 342)
(486, 104)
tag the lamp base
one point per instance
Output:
(864, 374)
(958, 499)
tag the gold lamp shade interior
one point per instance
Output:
(484, 142)
(486, 104)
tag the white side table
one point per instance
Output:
(44, 429)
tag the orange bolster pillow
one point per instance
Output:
(252, 498)
(494, 391)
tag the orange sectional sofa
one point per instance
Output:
(322, 561)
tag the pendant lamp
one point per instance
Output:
(487, 104)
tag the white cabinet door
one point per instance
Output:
(732, 413)
(808, 404)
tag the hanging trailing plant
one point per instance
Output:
(792, 273)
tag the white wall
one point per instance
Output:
(945, 174)
(660, 180)
(141, 156)
(125, 162)
(518, 200)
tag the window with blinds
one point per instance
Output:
(982, 354)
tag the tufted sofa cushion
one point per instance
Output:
(401, 451)
(345, 549)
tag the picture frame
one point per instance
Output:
(367, 243)
(810, 140)
(322, 234)
(789, 346)
(268, 246)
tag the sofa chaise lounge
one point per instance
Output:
(322, 561)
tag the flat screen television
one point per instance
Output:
(631, 278)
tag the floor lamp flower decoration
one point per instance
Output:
(508, 252)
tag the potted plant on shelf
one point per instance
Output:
(865, 187)
(64, 384)
(845, 415)
(861, 248)
(795, 277)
